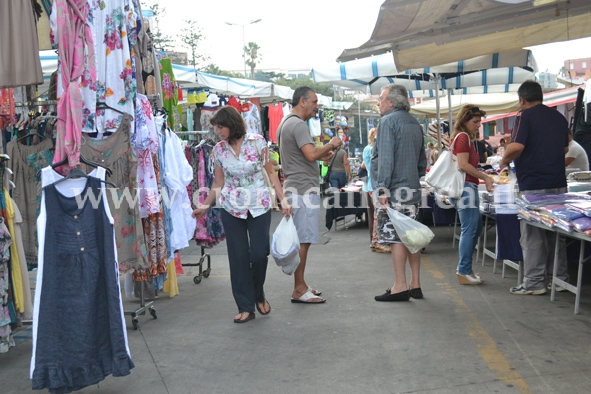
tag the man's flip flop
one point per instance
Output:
(315, 292)
(306, 299)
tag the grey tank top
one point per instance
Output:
(338, 165)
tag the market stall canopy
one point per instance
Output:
(496, 105)
(493, 103)
(232, 86)
(184, 74)
(463, 91)
(371, 74)
(339, 105)
(420, 33)
(551, 99)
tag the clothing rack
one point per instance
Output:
(201, 132)
(35, 103)
(142, 308)
(202, 273)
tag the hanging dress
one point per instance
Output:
(79, 334)
(115, 152)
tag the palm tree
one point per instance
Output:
(252, 57)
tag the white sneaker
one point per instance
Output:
(521, 290)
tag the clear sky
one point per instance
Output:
(302, 33)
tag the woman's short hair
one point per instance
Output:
(229, 117)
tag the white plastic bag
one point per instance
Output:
(285, 245)
(414, 235)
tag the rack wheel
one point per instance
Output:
(153, 313)
(135, 323)
(197, 280)
(206, 273)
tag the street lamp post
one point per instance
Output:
(243, 41)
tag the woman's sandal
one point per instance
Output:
(251, 316)
(260, 310)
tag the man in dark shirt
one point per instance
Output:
(538, 145)
(480, 148)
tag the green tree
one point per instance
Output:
(322, 88)
(191, 35)
(252, 57)
(215, 70)
(211, 69)
(159, 39)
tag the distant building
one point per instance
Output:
(576, 67)
(547, 80)
(181, 58)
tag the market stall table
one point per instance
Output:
(582, 259)
(347, 203)
(507, 246)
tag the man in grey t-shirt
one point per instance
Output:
(299, 157)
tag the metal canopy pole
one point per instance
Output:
(450, 112)
(359, 115)
(437, 109)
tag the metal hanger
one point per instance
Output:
(103, 105)
(78, 173)
(84, 161)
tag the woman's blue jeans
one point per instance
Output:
(471, 222)
(337, 179)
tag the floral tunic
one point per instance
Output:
(145, 144)
(244, 188)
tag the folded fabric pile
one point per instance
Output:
(568, 211)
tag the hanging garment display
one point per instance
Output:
(25, 163)
(77, 68)
(209, 231)
(155, 239)
(19, 46)
(78, 239)
(115, 152)
(177, 176)
(252, 120)
(169, 92)
(145, 144)
(27, 313)
(275, 117)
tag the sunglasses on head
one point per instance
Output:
(474, 110)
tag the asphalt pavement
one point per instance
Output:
(458, 339)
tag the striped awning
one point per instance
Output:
(371, 74)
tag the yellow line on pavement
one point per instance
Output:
(486, 346)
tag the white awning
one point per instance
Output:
(184, 73)
(233, 86)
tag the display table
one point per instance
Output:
(507, 246)
(556, 281)
(443, 213)
(343, 203)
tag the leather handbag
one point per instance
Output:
(445, 175)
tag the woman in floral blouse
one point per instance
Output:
(240, 160)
